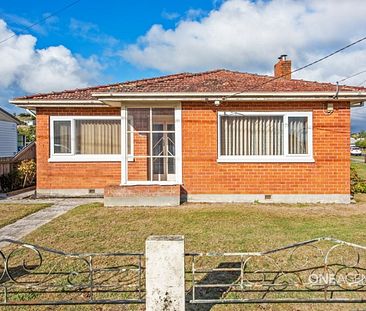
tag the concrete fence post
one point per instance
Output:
(165, 288)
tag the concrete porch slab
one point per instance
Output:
(142, 195)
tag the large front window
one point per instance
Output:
(262, 136)
(87, 139)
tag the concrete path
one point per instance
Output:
(22, 195)
(26, 225)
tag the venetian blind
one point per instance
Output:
(98, 136)
(252, 135)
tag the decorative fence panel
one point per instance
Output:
(322, 270)
(34, 275)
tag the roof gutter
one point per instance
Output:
(227, 94)
(33, 103)
(107, 99)
(352, 97)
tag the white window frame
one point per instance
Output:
(130, 156)
(178, 145)
(286, 157)
(72, 156)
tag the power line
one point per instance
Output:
(43, 19)
(353, 75)
(361, 83)
(300, 68)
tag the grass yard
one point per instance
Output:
(206, 227)
(360, 168)
(12, 212)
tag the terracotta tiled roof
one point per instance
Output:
(210, 81)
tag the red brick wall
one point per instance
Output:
(139, 168)
(71, 175)
(201, 172)
(142, 190)
(282, 68)
(328, 175)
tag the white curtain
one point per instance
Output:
(297, 135)
(251, 135)
(98, 137)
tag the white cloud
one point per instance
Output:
(249, 36)
(19, 23)
(91, 32)
(31, 70)
(169, 15)
(193, 14)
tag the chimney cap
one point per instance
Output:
(282, 57)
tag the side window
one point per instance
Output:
(62, 137)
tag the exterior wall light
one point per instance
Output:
(330, 108)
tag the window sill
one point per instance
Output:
(147, 183)
(88, 158)
(263, 159)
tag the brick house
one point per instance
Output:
(216, 136)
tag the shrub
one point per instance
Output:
(358, 185)
(10, 182)
(23, 176)
(27, 172)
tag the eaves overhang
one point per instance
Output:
(59, 103)
(106, 99)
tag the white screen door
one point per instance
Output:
(154, 133)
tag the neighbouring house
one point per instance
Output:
(22, 141)
(26, 131)
(31, 122)
(8, 134)
(216, 136)
(28, 119)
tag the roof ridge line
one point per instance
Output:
(172, 77)
(175, 82)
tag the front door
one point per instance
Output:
(163, 146)
(152, 132)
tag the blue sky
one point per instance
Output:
(97, 42)
(99, 27)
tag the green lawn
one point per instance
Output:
(206, 227)
(12, 212)
(360, 168)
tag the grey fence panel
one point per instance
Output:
(35, 275)
(322, 270)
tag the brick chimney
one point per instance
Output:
(283, 68)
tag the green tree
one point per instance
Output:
(361, 143)
(28, 131)
(362, 134)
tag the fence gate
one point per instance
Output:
(34, 275)
(322, 270)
